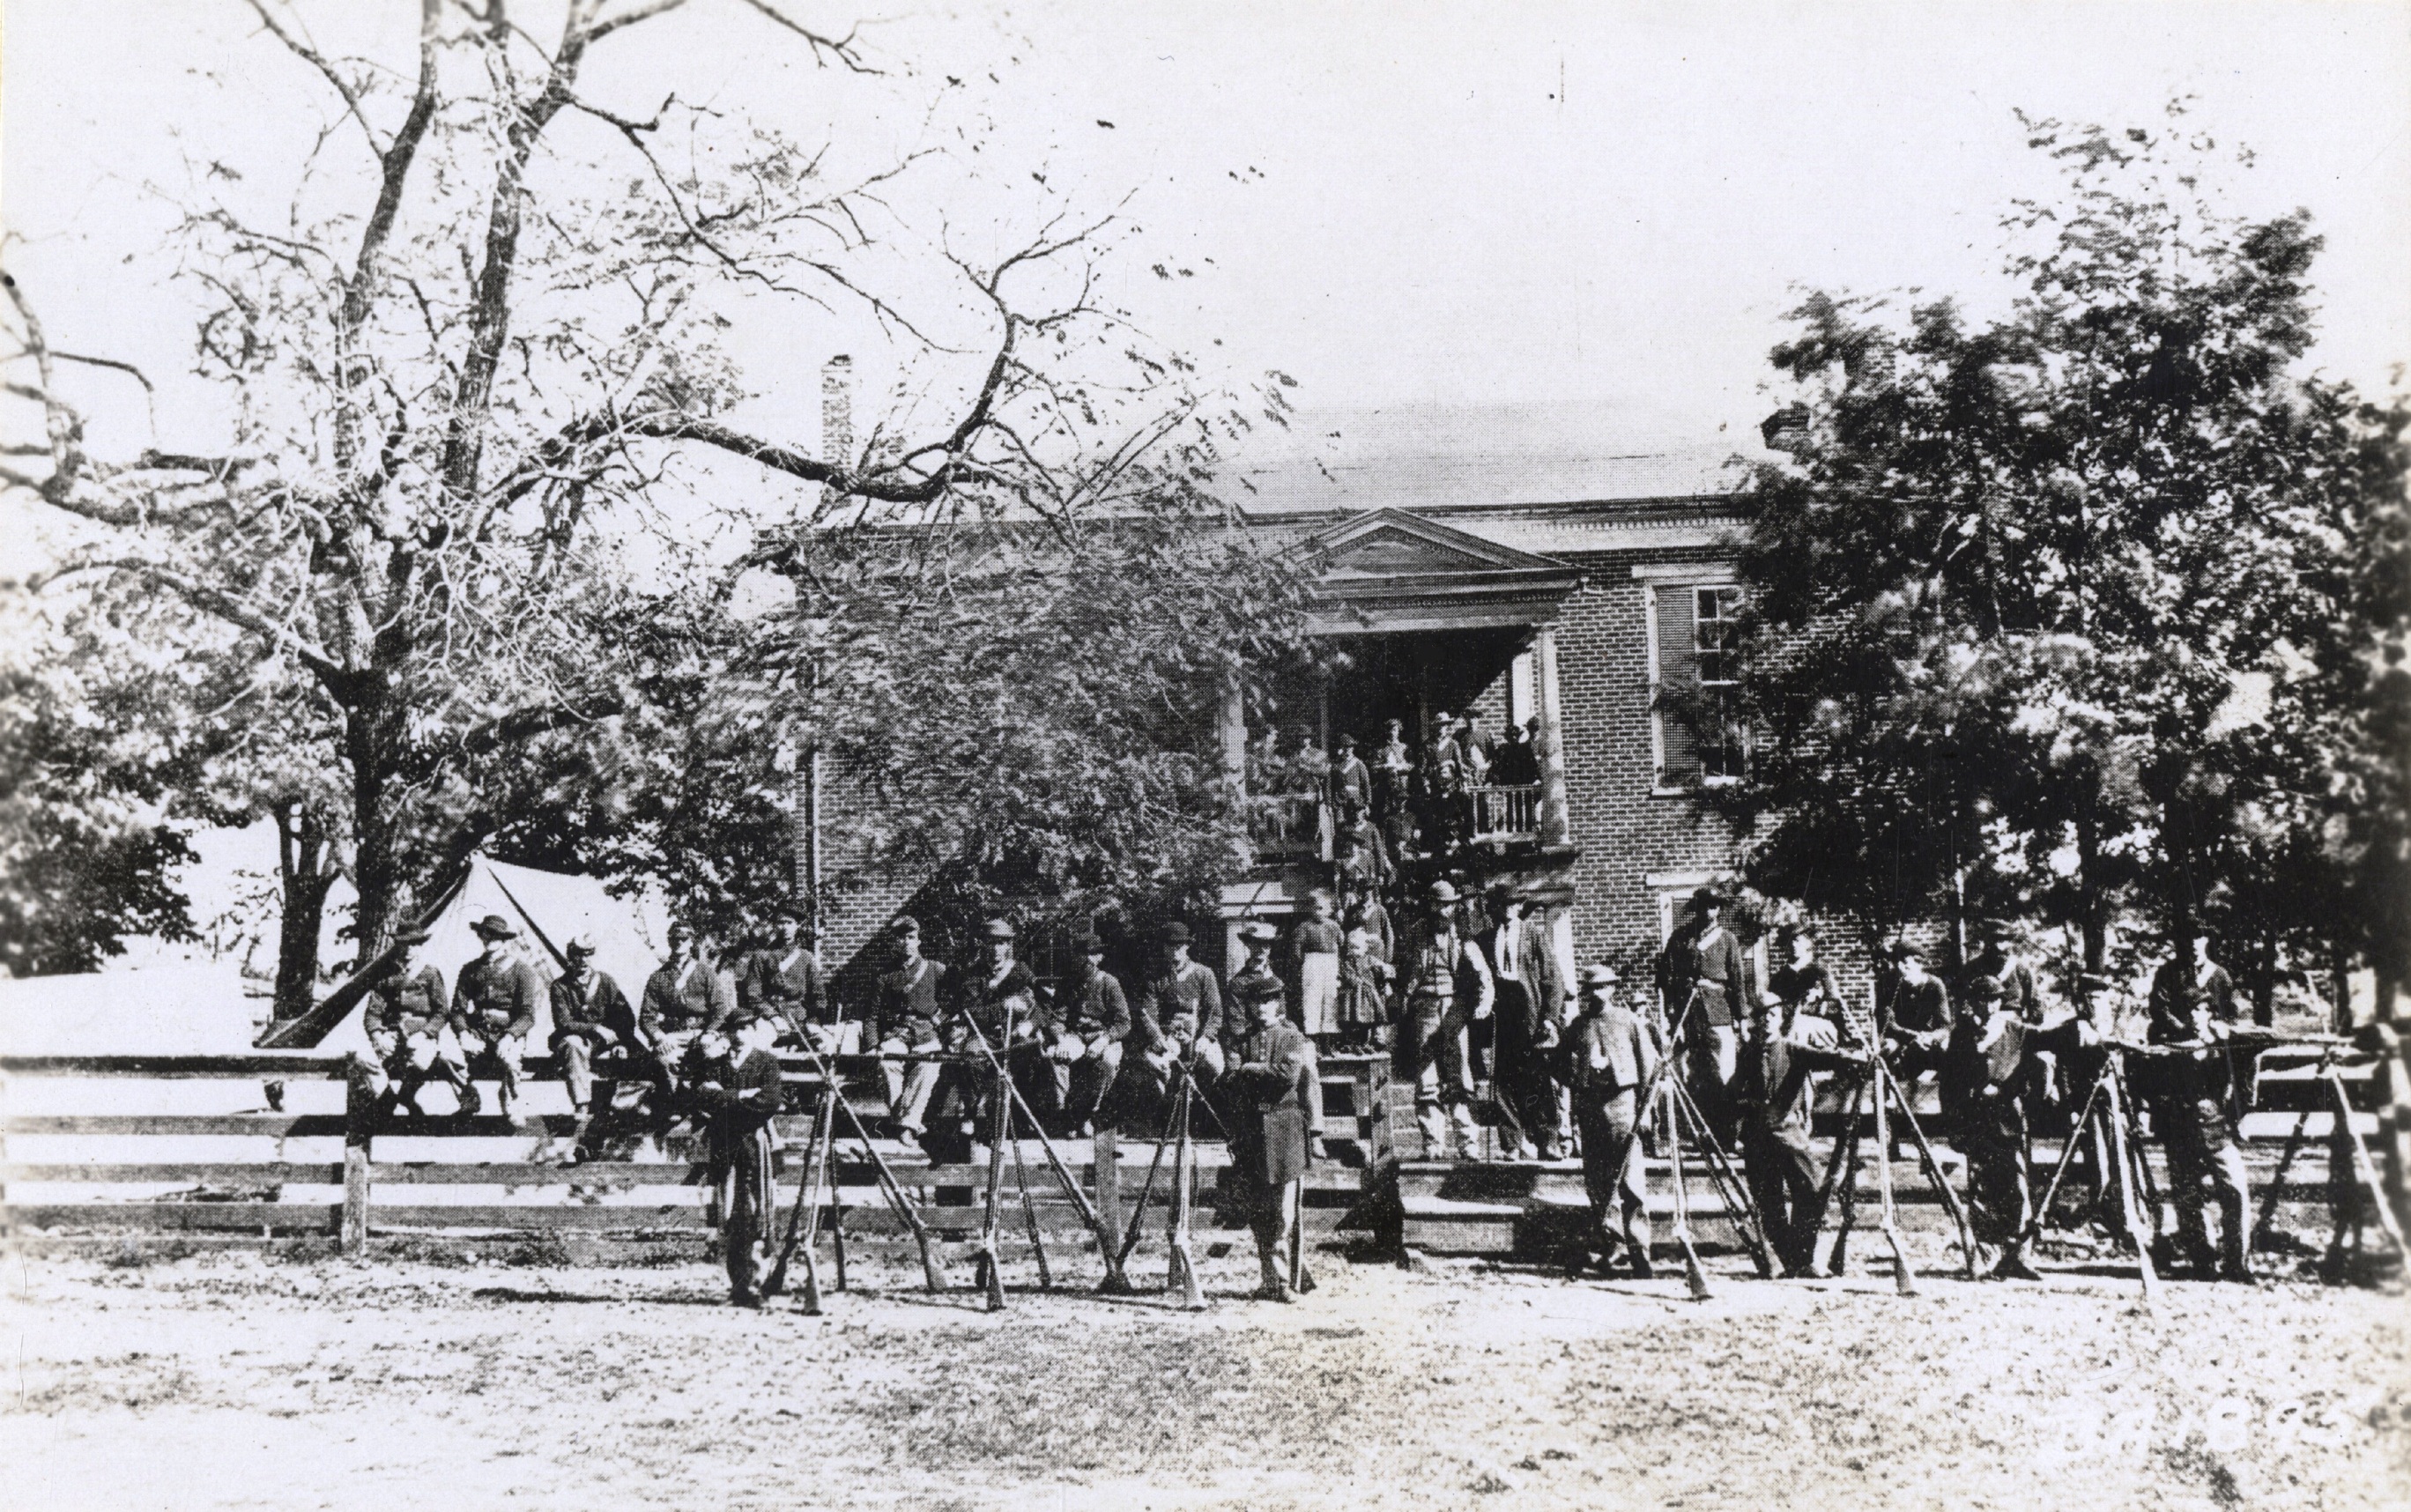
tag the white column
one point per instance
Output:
(1555, 827)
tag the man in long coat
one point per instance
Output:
(2194, 1006)
(1529, 1013)
(1703, 967)
(1447, 988)
(1267, 1101)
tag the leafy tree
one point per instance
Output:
(2031, 595)
(85, 861)
(451, 367)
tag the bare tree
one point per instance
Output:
(490, 312)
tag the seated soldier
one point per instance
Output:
(737, 1092)
(683, 998)
(594, 1029)
(1178, 1015)
(1096, 1019)
(409, 1022)
(783, 982)
(493, 1011)
(1265, 1105)
(912, 1000)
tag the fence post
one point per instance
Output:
(359, 1117)
(1105, 1176)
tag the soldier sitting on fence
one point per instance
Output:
(493, 1011)
(595, 1034)
(409, 1021)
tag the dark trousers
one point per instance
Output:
(1520, 1068)
(1617, 1197)
(1992, 1136)
(1782, 1176)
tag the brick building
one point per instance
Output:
(1577, 612)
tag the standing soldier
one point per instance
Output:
(739, 1092)
(1268, 1109)
(1394, 770)
(1704, 962)
(783, 982)
(493, 1011)
(592, 1026)
(1993, 1066)
(409, 1022)
(1447, 988)
(912, 1000)
(1351, 780)
(2193, 1009)
(2015, 979)
(1178, 1015)
(1256, 941)
(1608, 1056)
(1774, 1093)
(1530, 1006)
(1096, 1020)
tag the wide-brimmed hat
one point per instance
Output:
(1259, 932)
(904, 924)
(494, 926)
(580, 945)
(1599, 974)
(1175, 933)
(412, 935)
(1442, 892)
(1085, 942)
(998, 929)
(1707, 897)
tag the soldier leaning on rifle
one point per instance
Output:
(1267, 1104)
(1800, 1011)
(912, 1001)
(1992, 1068)
(1096, 1019)
(784, 982)
(409, 1022)
(2193, 1006)
(1003, 1001)
(1178, 1015)
(1608, 1057)
(737, 1091)
(593, 1025)
(493, 1011)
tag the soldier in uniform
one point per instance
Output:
(1394, 770)
(409, 1022)
(1530, 1007)
(1704, 962)
(493, 1011)
(783, 982)
(592, 1027)
(2193, 1008)
(1267, 1107)
(1096, 1019)
(1351, 780)
(2015, 979)
(1447, 988)
(1178, 1015)
(683, 997)
(737, 1091)
(1774, 1093)
(1992, 1066)
(1608, 1057)
(912, 1001)
(1256, 941)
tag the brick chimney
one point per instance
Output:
(836, 417)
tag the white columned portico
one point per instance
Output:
(1556, 825)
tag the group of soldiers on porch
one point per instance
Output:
(1567, 1063)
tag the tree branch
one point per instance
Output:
(214, 602)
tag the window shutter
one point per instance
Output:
(1678, 681)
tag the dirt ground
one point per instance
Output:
(241, 1380)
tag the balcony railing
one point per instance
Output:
(1291, 826)
(1506, 813)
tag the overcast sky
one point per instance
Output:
(1596, 213)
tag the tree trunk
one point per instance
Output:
(2088, 884)
(306, 870)
(2264, 982)
(370, 739)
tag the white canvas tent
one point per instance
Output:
(548, 908)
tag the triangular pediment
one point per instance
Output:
(1391, 542)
